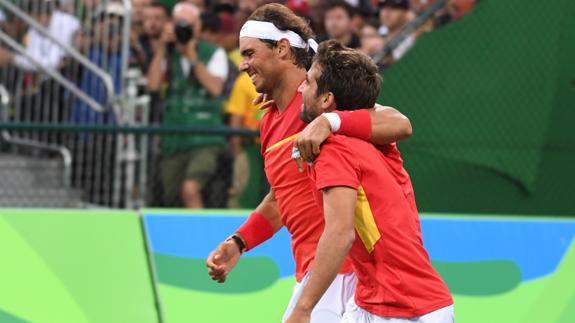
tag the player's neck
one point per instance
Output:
(287, 87)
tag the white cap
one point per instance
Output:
(111, 8)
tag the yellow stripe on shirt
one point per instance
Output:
(281, 142)
(364, 222)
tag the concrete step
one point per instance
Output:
(40, 203)
(27, 181)
(40, 197)
(22, 177)
(19, 161)
(27, 171)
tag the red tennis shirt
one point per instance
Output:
(293, 190)
(395, 275)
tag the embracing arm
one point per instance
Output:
(388, 125)
(380, 125)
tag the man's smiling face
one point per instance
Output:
(259, 61)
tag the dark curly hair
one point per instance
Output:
(284, 19)
(349, 74)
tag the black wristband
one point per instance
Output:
(240, 242)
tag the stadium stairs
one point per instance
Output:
(28, 181)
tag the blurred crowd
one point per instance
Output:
(187, 53)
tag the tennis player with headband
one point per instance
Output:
(277, 49)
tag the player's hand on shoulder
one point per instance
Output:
(265, 100)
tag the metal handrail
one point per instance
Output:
(63, 151)
(4, 97)
(126, 41)
(53, 73)
(136, 130)
(74, 53)
(408, 30)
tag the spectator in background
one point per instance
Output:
(42, 98)
(229, 38)
(138, 13)
(245, 9)
(2, 19)
(358, 20)
(155, 17)
(90, 5)
(300, 7)
(362, 9)
(66, 6)
(94, 154)
(365, 6)
(105, 51)
(338, 24)
(216, 27)
(395, 15)
(58, 24)
(202, 5)
(137, 53)
(195, 71)
(12, 26)
(213, 32)
(371, 41)
(248, 180)
(232, 3)
(5, 56)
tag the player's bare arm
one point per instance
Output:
(387, 125)
(334, 244)
(225, 257)
(268, 207)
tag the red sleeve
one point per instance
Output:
(336, 166)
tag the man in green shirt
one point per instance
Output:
(195, 71)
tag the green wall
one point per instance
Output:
(74, 266)
(491, 99)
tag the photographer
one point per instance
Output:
(195, 71)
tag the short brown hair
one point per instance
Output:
(284, 19)
(349, 10)
(349, 74)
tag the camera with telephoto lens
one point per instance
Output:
(184, 32)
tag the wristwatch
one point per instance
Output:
(239, 242)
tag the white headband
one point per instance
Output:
(267, 30)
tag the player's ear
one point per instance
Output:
(283, 47)
(328, 102)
